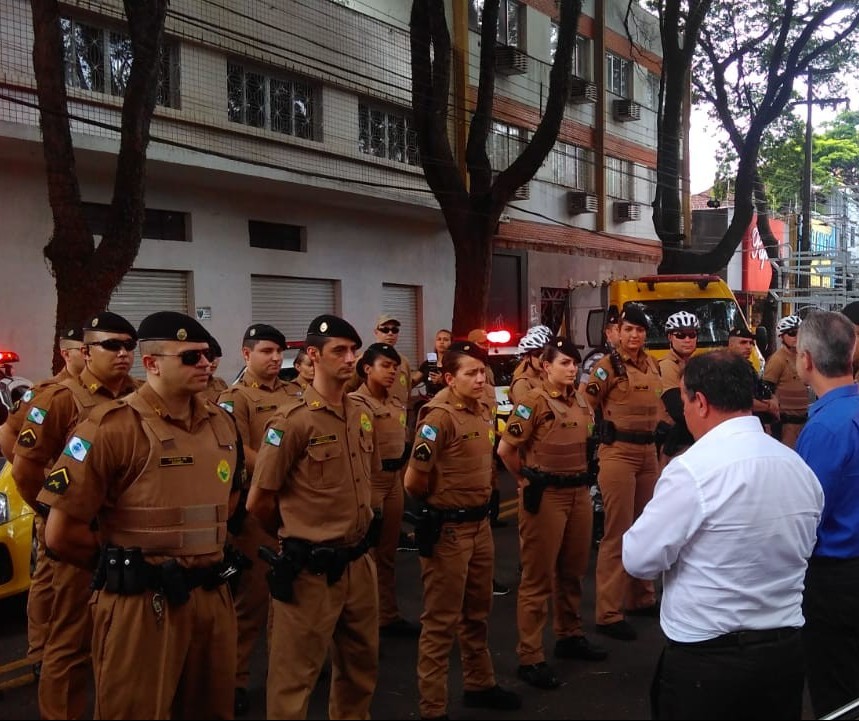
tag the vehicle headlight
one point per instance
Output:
(4, 508)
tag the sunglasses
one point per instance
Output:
(792, 332)
(114, 345)
(680, 335)
(389, 329)
(190, 357)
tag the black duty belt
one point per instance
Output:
(798, 420)
(393, 464)
(742, 638)
(463, 515)
(569, 481)
(640, 438)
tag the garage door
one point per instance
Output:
(401, 301)
(289, 304)
(143, 292)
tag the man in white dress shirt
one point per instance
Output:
(730, 527)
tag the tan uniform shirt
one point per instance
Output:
(296, 388)
(252, 402)
(791, 392)
(402, 387)
(320, 460)
(671, 369)
(525, 379)
(633, 403)
(214, 388)
(21, 409)
(389, 421)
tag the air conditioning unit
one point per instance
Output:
(626, 110)
(510, 60)
(578, 201)
(625, 210)
(582, 91)
(523, 192)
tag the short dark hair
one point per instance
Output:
(725, 379)
(372, 354)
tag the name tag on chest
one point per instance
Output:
(321, 440)
(263, 409)
(471, 436)
(167, 461)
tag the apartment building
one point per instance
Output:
(283, 177)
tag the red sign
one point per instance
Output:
(757, 271)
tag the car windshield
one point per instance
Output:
(717, 317)
(502, 366)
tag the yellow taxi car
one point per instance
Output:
(17, 536)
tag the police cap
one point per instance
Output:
(741, 332)
(74, 332)
(170, 325)
(851, 310)
(110, 323)
(263, 331)
(376, 350)
(634, 313)
(567, 347)
(215, 347)
(332, 326)
(469, 348)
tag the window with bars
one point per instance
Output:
(652, 91)
(617, 71)
(99, 59)
(511, 25)
(618, 178)
(581, 52)
(572, 166)
(387, 133)
(504, 144)
(277, 103)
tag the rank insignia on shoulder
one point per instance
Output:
(429, 432)
(592, 389)
(422, 452)
(601, 374)
(27, 438)
(523, 411)
(37, 415)
(515, 428)
(57, 481)
(228, 406)
(273, 437)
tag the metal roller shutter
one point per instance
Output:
(143, 292)
(402, 301)
(289, 304)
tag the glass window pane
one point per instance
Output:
(512, 23)
(475, 12)
(397, 138)
(120, 63)
(86, 57)
(235, 93)
(302, 110)
(281, 117)
(363, 128)
(553, 40)
(378, 133)
(255, 100)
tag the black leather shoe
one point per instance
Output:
(495, 698)
(579, 647)
(621, 630)
(241, 702)
(538, 675)
(648, 611)
(499, 589)
(400, 629)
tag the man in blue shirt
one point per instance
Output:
(829, 444)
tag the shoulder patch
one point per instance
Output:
(273, 437)
(515, 428)
(422, 452)
(366, 423)
(429, 432)
(523, 411)
(27, 438)
(601, 374)
(37, 415)
(77, 448)
(57, 481)
(228, 406)
(592, 389)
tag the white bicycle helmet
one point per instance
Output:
(535, 338)
(681, 320)
(789, 322)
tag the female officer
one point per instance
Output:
(378, 369)
(529, 373)
(544, 447)
(304, 366)
(451, 472)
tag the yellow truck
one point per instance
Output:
(707, 296)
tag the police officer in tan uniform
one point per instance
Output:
(379, 367)
(627, 388)
(252, 401)
(450, 471)
(40, 597)
(158, 470)
(682, 331)
(784, 382)
(544, 448)
(529, 373)
(109, 343)
(304, 368)
(216, 384)
(313, 486)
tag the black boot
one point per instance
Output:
(495, 509)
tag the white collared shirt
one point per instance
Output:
(731, 525)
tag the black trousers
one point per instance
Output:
(831, 632)
(737, 677)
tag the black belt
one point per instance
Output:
(463, 515)
(393, 464)
(741, 638)
(640, 438)
(570, 481)
(799, 420)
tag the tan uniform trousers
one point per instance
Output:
(790, 433)
(40, 598)
(181, 666)
(252, 597)
(628, 474)
(457, 601)
(388, 495)
(554, 545)
(66, 660)
(342, 619)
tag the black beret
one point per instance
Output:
(374, 350)
(169, 325)
(851, 310)
(215, 347)
(634, 313)
(74, 332)
(470, 349)
(262, 331)
(110, 323)
(612, 316)
(567, 347)
(741, 332)
(332, 326)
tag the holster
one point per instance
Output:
(427, 530)
(374, 532)
(281, 576)
(234, 564)
(607, 432)
(532, 494)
